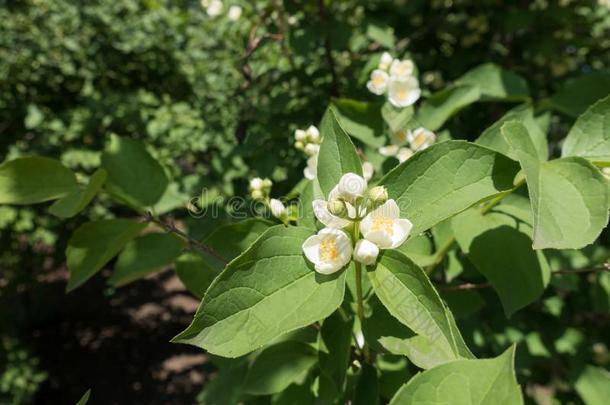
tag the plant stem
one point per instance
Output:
(359, 295)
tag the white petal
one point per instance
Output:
(308, 173)
(382, 239)
(365, 252)
(401, 68)
(389, 150)
(277, 207)
(404, 154)
(320, 210)
(352, 186)
(367, 170)
(311, 248)
(389, 209)
(402, 229)
(403, 92)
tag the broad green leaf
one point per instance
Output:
(493, 139)
(445, 179)
(269, 290)
(145, 255)
(85, 398)
(501, 250)
(367, 387)
(496, 83)
(396, 118)
(133, 174)
(360, 120)
(295, 395)
(464, 382)
(31, 180)
(306, 215)
(93, 244)
(407, 293)
(569, 196)
(227, 388)
(336, 337)
(463, 303)
(278, 366)
(76, 201)
(229, 241)
(441, 106)
(577, 94)
(593, 385)
(590, 135)
(337, 153)
(394, 371)
(381, 33)
(195, 273)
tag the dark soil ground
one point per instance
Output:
(115, 342)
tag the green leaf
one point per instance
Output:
(32, 180)
(441, 106)
(445, 179)
(569, 196)
(295, 395)
(306, 215)
(593, 386)
(93, 244)
(279, 366)
(85, 398)
(269, 290)
(133, 174)
(336, 337)
(493, 139)
(337, 153)
(590, 135)
(577, 94)
(144, 255)
(396, 118)
(76, 201)
(360, 120)
(367, 387)
(227, 388)
(501, 250)
(496, 83)
(383, 34)
(464, 382)
(407, 293)
(195, 273)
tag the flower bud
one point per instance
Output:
(267, 184)
(300, 135)
(314, 134)
(256, 183)
(365, 252)
(277, 208)
(299, 145)
(312, 149)
(257, 194)
(337, 208)
(352, 186)
(378, 195)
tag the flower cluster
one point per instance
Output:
(309, 141)
(418, 139)
(364, 212)
(214, 8)
(396, 78)
(260, 190)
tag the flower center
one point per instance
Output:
(384, 224)
(403, 93)
(419, 140)
(378, 80)
(328, 250)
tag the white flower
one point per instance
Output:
(385, 61)
(329, 250)
(214, 8)
(300, 135)
(277, 208)
(420, 138)
(399, 137)
(311, 170)
(365, 252)
(401, 69)
(367, 170)
(256, 183)
(320, 210)
(378, 83)
(313, 133)
(384, 227)
(351, 186)
(205, 3)
(388, 150)
(404, 154)
(312, 149)
(403, 92)
(234, 13)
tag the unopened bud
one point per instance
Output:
(299, 145)
(337, 208)
(267, 184)
(378, 195)
(257, 194)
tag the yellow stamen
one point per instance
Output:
(419, 140)
(403, 93)
(328, 250)
(384, 224)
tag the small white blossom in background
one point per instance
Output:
(420, 138)
(278, 209)
(605, 3)
(213, 7)
(404, 154)
(329, 250)
(234, 13)
(309, 140)
(311, 171)
(396, 78)
(260, 188)
(379, 82)
(376, 217)
(403, 92)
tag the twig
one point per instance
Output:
(465, 286)
(193, 243)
